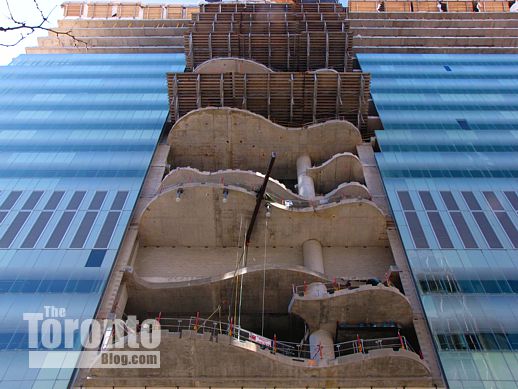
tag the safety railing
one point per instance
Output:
(293, 350)
(336, 285)
(366, 345)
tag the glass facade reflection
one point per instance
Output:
(77, 134)
(449, 166)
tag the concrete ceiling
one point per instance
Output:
(202, 218)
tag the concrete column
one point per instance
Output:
(321, 345)
(316, 289)
(305, 184)
(313, 257)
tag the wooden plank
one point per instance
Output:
(398, 6)
(459, 6)
(494, 6)
(363, 6)
(288, 98)
(152, 12)
(72, 9)
(425, 6)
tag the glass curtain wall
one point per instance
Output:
(450, 168)
(77, 134)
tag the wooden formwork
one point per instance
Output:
(460, 6)
(267, 17)
(280, 52)
(289, 99)
(397, 6)
(72, 9)
(284, 37)
(271, 7)
(427, 6)
(270, 27)
(494, 6)
(363, 6)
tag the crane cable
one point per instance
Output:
(264, 273)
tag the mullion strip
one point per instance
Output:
(412, 220)
(32, 200)
(36, 230)
(487, 230)
(11, 199)
(60, 230)
(84, 230)
(462, 227)
(508, 226)
(503, 218)
(119, 201)
(482, 221)
(76, 200)
(107, 230)
(513, 199)
(435, 220)
(13, 230)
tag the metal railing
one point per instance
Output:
(336, 285)
(293, 350)
(366, 345)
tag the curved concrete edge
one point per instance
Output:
(206, 294)
(366, 304)
(350, 189)
(252, 181)
(231, 65)
(142, 281)
(191, 359)
(342, 167)
(216, 138)
(161, 223)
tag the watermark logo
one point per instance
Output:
(54, 341)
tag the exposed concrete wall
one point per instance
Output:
(372, 176)
(357, 262)
(184, 299)
(252, 181)
(212, 139)
(182, 263)
(343, 167)
(435, 32)
(113, 36)
(201, 218)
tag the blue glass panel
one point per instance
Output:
(95, 259)
(77, 134)
(450, 140)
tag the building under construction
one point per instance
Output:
(288, 183)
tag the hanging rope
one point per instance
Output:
(264, 272)
(242, 276)
(233, 296)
